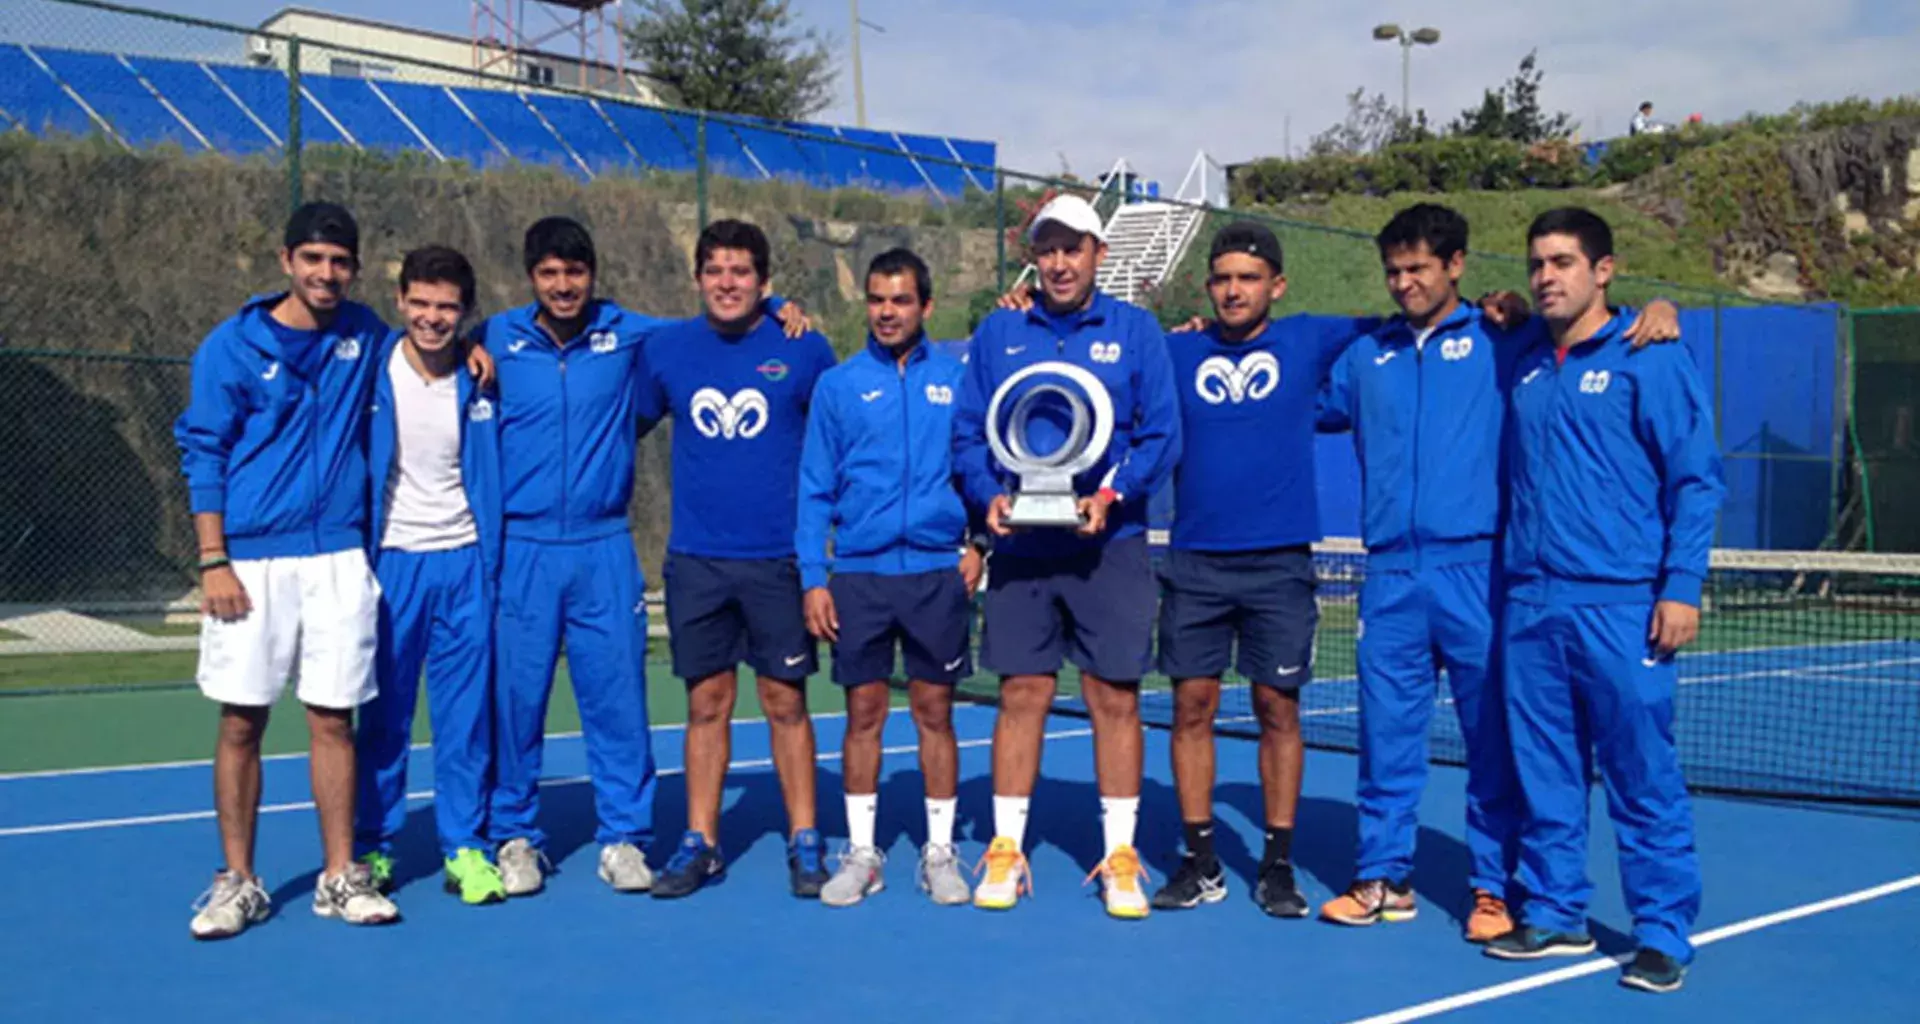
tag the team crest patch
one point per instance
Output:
(773, 369)
(939, 394)
(603, 341)
(480, 410)
(346, 348)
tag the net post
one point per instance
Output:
(1719, 393)
(294, 142)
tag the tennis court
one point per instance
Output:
(1805, 683)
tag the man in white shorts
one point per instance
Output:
(273, 447)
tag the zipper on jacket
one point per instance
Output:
(906, 463)
(566, 452)
(1419, 413)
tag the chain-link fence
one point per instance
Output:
(152, 159)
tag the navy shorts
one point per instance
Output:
(724, 611)
(1260, 600)
(926, 613)
(1095, 609)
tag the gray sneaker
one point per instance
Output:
(941, 877)
(228, 906)
(624, 867)
(859, 877)
(520, 867)
(352, 897)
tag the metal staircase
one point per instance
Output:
(1148, 236)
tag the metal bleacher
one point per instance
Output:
(141, 101)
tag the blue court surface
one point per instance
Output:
(1811, 913)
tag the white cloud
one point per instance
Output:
(1156, 81)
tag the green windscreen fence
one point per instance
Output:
(1886, 404)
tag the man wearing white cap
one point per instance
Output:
(1056, 595)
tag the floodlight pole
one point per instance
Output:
(859, 87)
(1390, 33)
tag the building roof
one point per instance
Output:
(348, 19)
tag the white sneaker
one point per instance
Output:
(1120, 877)
(623, 867)
(940, 876)
(1007, 877)
(858, 878)
(352, 897)
(229, 906)
(519, 865)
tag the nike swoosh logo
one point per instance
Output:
(1650, 662)
(273, 370)
(1528, 379)
(1382, 360)
(1285, 671)
(955, 663)
(517, 345)
(1014, 350)
(870, 396)
(795, 660)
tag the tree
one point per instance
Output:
(734, 56)
(1513, 111)
(1371, 124)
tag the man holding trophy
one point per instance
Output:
(1067, 421)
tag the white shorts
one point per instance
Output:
(315, 618)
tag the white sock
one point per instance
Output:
(862, 808)
(1010, 818)
(1117, 817)
(940, 820)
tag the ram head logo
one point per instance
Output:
(1220, 379)
(715, 415)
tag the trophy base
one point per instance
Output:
(1041, 511)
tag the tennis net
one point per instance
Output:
(1804, 683)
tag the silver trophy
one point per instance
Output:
(1044, 496)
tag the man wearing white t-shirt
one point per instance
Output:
(434, 475)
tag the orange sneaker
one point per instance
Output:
(1369, 900)
(1007, 876)
(1121, 875)
(1489, 919)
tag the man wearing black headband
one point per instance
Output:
(1238, 580)
(272, 446)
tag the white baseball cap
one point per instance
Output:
(1071, 212)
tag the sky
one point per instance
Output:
(1074, 85)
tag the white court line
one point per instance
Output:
(98, 824)
(1595, 966)
(151, 766)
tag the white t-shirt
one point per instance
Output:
(427, 506)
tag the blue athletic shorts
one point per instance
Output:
(1260, 600)
(724, 611)
(1094, 608)
(926, 613)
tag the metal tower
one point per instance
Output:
(585, 31)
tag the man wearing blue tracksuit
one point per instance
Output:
(1423, 398)
(1615, 485)
(569, 366)
(876, 477)
(434, 534)
(1056, 594)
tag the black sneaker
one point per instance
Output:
(694, 864)
(807, 864)
(1195, 883)
(1276, 893)
(1524, 943)
(1653, 971)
